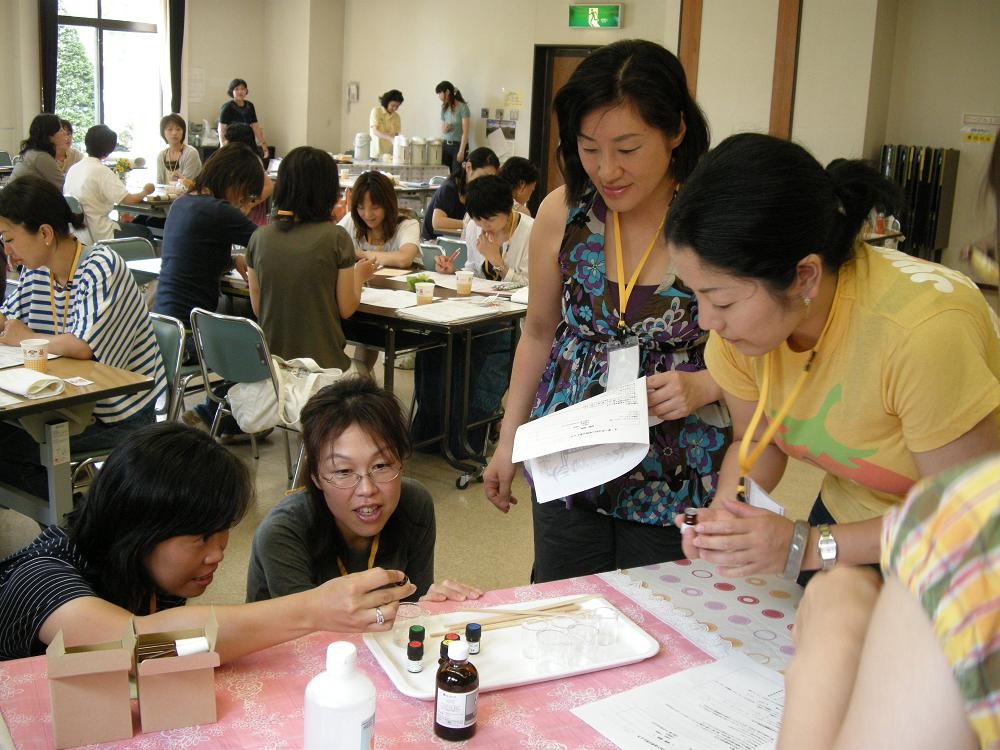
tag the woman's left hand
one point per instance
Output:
(448, 590)
(744, 540)
(14, 332)
(676, 394)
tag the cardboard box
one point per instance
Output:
(177, 691)
(89, 689)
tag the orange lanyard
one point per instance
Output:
(747, 457)
(52, 294)
(152, 604)
(371, 557)
(625, 289)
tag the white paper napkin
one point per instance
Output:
(30, 384)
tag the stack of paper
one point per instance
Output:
(586, 444)
(30, 384)
(394, 299)
(457, 311)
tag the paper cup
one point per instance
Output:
(425, 292)
(463, 281)
(36, 354)
(345, 173)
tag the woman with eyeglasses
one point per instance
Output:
(356, 511)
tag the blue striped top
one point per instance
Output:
(107, 311)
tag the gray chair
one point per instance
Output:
(170, 336)
(74, 204)
(428, 251)
(133, 248)
(234, 348)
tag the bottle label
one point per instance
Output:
(368, 733)
(456, 710)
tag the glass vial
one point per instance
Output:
(456, 701)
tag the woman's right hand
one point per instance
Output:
(347, 604)
(498, 477)
(443, 264)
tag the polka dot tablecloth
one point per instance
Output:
(753, 614)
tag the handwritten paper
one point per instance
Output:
(586, 444)
(732, 704)
(394, 299)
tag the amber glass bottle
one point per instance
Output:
(456, 701)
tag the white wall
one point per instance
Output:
(736, 65)
(20, 84)
(485, 49)
(833, 79)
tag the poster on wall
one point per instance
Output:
(500, 135)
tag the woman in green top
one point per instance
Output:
(454, 124)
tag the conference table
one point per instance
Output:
(390, 332)
(694, 615)
(53, 419)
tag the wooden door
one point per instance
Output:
(553, 67)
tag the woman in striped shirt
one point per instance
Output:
(85, 302)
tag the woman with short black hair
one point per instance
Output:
(241, 109)
(446, 208)
(178, 161)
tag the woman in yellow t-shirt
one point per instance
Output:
(384, 124)
(878, 367)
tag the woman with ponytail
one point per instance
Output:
(878, 367)
(303, 256)
(455, 117)
(607, 308)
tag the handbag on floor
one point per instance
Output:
(256, 407)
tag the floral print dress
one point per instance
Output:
(681, 468)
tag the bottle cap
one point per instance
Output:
(458, 651)
(444, 647)
(473, 631)
(341, 657)
(417, 633)
(415, 651)
(452, 637)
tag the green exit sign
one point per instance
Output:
(595, 16)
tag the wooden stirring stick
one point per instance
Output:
(515, 616)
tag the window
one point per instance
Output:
(108, 70)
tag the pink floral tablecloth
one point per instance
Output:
(260, 696)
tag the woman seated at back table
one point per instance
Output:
(149, 535)
(523, 178)
(303, 275)
(178, 161)
(380, 230)
(38, 151)
(497, 237)
(446, 208)
(85, 302)
(66, 155)
(98, 188)
(356, 510)
(240, 132)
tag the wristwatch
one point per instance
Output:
(827, 546)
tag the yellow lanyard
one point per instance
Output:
(371, 557)
(747, 457)
(52, 294)
(625, 290)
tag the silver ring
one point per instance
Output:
(379, 617)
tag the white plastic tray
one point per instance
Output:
(500, 662)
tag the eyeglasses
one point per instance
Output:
(345, 479)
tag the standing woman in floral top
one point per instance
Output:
(602, 279)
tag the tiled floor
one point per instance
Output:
(475, 543)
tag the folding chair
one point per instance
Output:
(235, 349)
(170, 336)
(450, 246)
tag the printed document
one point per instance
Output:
(586, 444)
(732, 704)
